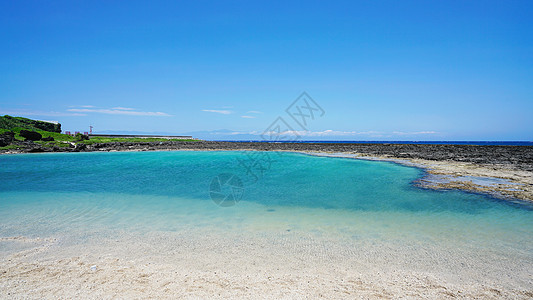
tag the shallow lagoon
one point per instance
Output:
(365, 215)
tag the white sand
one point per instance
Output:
(272, 264)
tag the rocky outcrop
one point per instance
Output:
(36, 150)
(30, 135)
(6, 138)
(80, 147)
(82, 137)
(48, 139)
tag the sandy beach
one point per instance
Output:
(266, 150)
(282, 262)
(274, 265)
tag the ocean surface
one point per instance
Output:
(364, 210)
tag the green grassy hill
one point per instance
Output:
(46, 129)
(9, 122)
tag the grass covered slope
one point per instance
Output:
(9, 123)
(16, 124)
(61, 142)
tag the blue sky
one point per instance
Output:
(381, 70)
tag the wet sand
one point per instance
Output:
(274, 265)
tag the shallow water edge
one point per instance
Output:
(494, 177)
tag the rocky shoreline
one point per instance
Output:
(466, 167)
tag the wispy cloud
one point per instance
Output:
(319, 135)
(123, 108)
(224, 112)
(120, 111)
(84, 106)
(230, 133)
(330, 132)
(40, 113)
(413, 133)
(254, 112)
(248, 117)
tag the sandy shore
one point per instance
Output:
(92, 262)
(283, 265)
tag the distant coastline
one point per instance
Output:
(473, 143)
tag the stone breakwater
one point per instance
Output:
(465, 167)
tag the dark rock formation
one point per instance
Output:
(48, 139)
(82, 137)
(35, 150)
(80, 147)
(30, 135)
(6, 138)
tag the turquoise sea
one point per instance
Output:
(368, 210)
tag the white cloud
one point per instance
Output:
(54, 122)
(40, 113)
(84, 106)
(248, 117)
(123, 108)
(254, 112)
(324, 133)
(413, 133)
(224, 112)
(330, 132)
(228, 133)
(315, 133)
(115, 111)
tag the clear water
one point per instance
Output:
(275, 181)
(77, 195)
